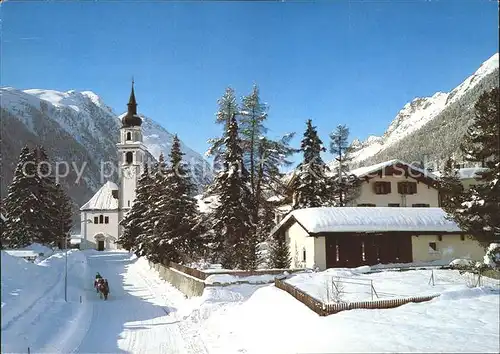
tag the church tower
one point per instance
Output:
(131, 154)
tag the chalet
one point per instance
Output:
(355, 236)
(396, 183)
(392, 183)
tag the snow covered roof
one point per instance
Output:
(365, 171)
(469, 172)
(103, 199)
(370, 219)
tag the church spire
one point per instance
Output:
(132, 119)
(132, 104)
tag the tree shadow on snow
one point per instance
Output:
(119, 321)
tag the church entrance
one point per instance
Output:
(100, 245)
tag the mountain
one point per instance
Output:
(429, 129)
(79, 128)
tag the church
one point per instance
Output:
(101, 215)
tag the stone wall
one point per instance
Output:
(188, 285)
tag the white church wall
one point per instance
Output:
(90, 228)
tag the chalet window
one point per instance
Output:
(129, 136)
(366, 205)
(420, 205)
(393, 205)
(106, 219)
(304, 255)
(407, 187)
(462, 237)
(440, 238)
(382, 187)
(129, 157)
(363, 255)
(432, 247)
(96, 220)
(101, 219)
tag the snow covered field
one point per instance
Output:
(146, 315)
(355, 284)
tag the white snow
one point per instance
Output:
(365, 219)
(147, 315)
(233, 279)
(356, 283)
(103, 199)
(268, 320)
(207, 204)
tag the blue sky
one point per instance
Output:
(354, 63)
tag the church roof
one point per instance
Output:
(103, 199)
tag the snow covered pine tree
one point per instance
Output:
(310, 186)
(479, 213)
(232, 218)
(345, 186)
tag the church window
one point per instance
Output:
(101, 219)
(129, 136)
(106, 219)
(129, 157)
(128, 203)
(96, 220)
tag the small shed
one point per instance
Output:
(355, 236)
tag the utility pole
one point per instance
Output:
(66, 261)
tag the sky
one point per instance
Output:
(335, 62)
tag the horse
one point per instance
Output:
(102, 288)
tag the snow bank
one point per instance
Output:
(232, 279)
(272, 321)
(38, 248)
(34, 313)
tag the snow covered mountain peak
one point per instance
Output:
(419, 112)
(78, 125)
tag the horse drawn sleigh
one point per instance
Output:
(102, 287)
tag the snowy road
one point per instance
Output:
(137, 318)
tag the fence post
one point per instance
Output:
(371, 288)
(431, 278)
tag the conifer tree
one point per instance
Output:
(263, 157)
(450, 188)
(280, 253)
(233, 225)
(64, 207)
(480, 209)
(180, 224)
(151, 239)
(345, 186)
(21, 203)
(227, 108)
(134, 221)
(52, 229)
(310, 186)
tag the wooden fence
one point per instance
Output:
(311, 302)
(328, 309)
